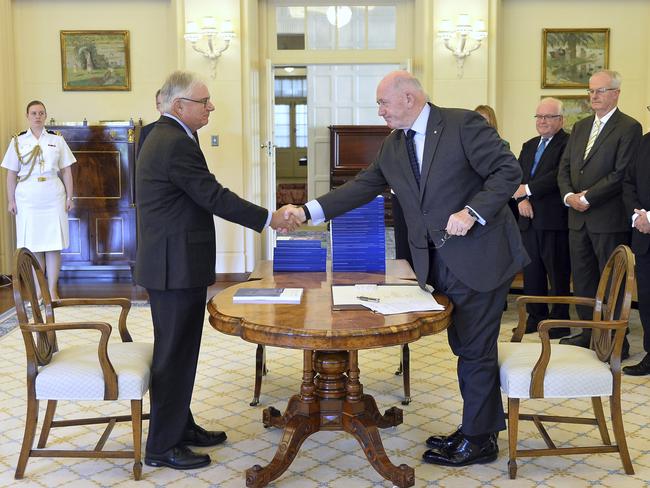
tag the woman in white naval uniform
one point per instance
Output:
(39, 190)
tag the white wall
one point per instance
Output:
(521, 51)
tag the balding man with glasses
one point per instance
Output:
(543, 218)
(590, 178)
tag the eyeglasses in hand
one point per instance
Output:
(439, 237)
(600, 91)
(546, 117)
(203, 101)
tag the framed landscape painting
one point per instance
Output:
(570, 56)
(95, 60)
(574, 108)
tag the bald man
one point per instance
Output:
(453, 177)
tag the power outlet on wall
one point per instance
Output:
(214, 140)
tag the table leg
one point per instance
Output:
(360, 415)
(260, 370)
(332, 399)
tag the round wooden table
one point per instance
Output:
(331, 396)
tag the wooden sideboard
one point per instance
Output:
(102, 222)
(352, 148)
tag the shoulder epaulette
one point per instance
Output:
(50, 131)
(22, 133)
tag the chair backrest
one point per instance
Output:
(39, 346)
(613, 300)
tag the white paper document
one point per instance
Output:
(384, 299)
(267, 295)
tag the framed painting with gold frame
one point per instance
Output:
(95, 60)
(571, 56)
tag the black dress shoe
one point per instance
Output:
(464, 454)
(640, 369)
(581, 340)
(445, 442)
(559, 332)
(178, 457)
(198, 436)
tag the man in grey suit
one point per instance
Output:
(590, 179)
(449, 170)
(177, 198)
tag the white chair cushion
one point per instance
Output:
(572, 371)
(74, 372)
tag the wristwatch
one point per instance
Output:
(521, 199)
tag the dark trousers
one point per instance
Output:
(549, 264)
(177, 324)
(643, 295)
(473, 336)
(589, 254)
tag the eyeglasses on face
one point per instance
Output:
(546, 117)
(439, 238)
(203, 101)
(600, 91)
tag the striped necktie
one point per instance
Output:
(592, 137)
(413, 159)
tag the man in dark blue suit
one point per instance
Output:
(543, 218)
(453, 177)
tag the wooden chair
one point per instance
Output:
(545, 370)
(99, 370)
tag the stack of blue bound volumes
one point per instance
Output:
(299, 255)
(359, 239)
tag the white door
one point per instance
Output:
(337, 94)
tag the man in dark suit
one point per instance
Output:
(590, 179)
(543, 217)
(177, 197)
(449, 170)
(636, 195)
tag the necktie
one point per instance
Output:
(592, 137)
(538, 155)
(413, 159)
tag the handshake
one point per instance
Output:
(287, 218)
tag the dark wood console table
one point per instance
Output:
(331, 395)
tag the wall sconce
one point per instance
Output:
(462, 39)
(205, 39)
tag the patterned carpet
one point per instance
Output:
(327, 459)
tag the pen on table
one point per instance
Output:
(368, 299)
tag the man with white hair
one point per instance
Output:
(590, 178)
(177, 198)
(543, 217)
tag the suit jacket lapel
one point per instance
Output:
(434, 131)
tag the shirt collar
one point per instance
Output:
(606, 117)
(187, 129)
(420, 124)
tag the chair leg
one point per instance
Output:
(619, 433)
(406, 372)
(260, 366)
(47, 423)
(513, 426)
(28, 437)
(136, 423)
(600, 418)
